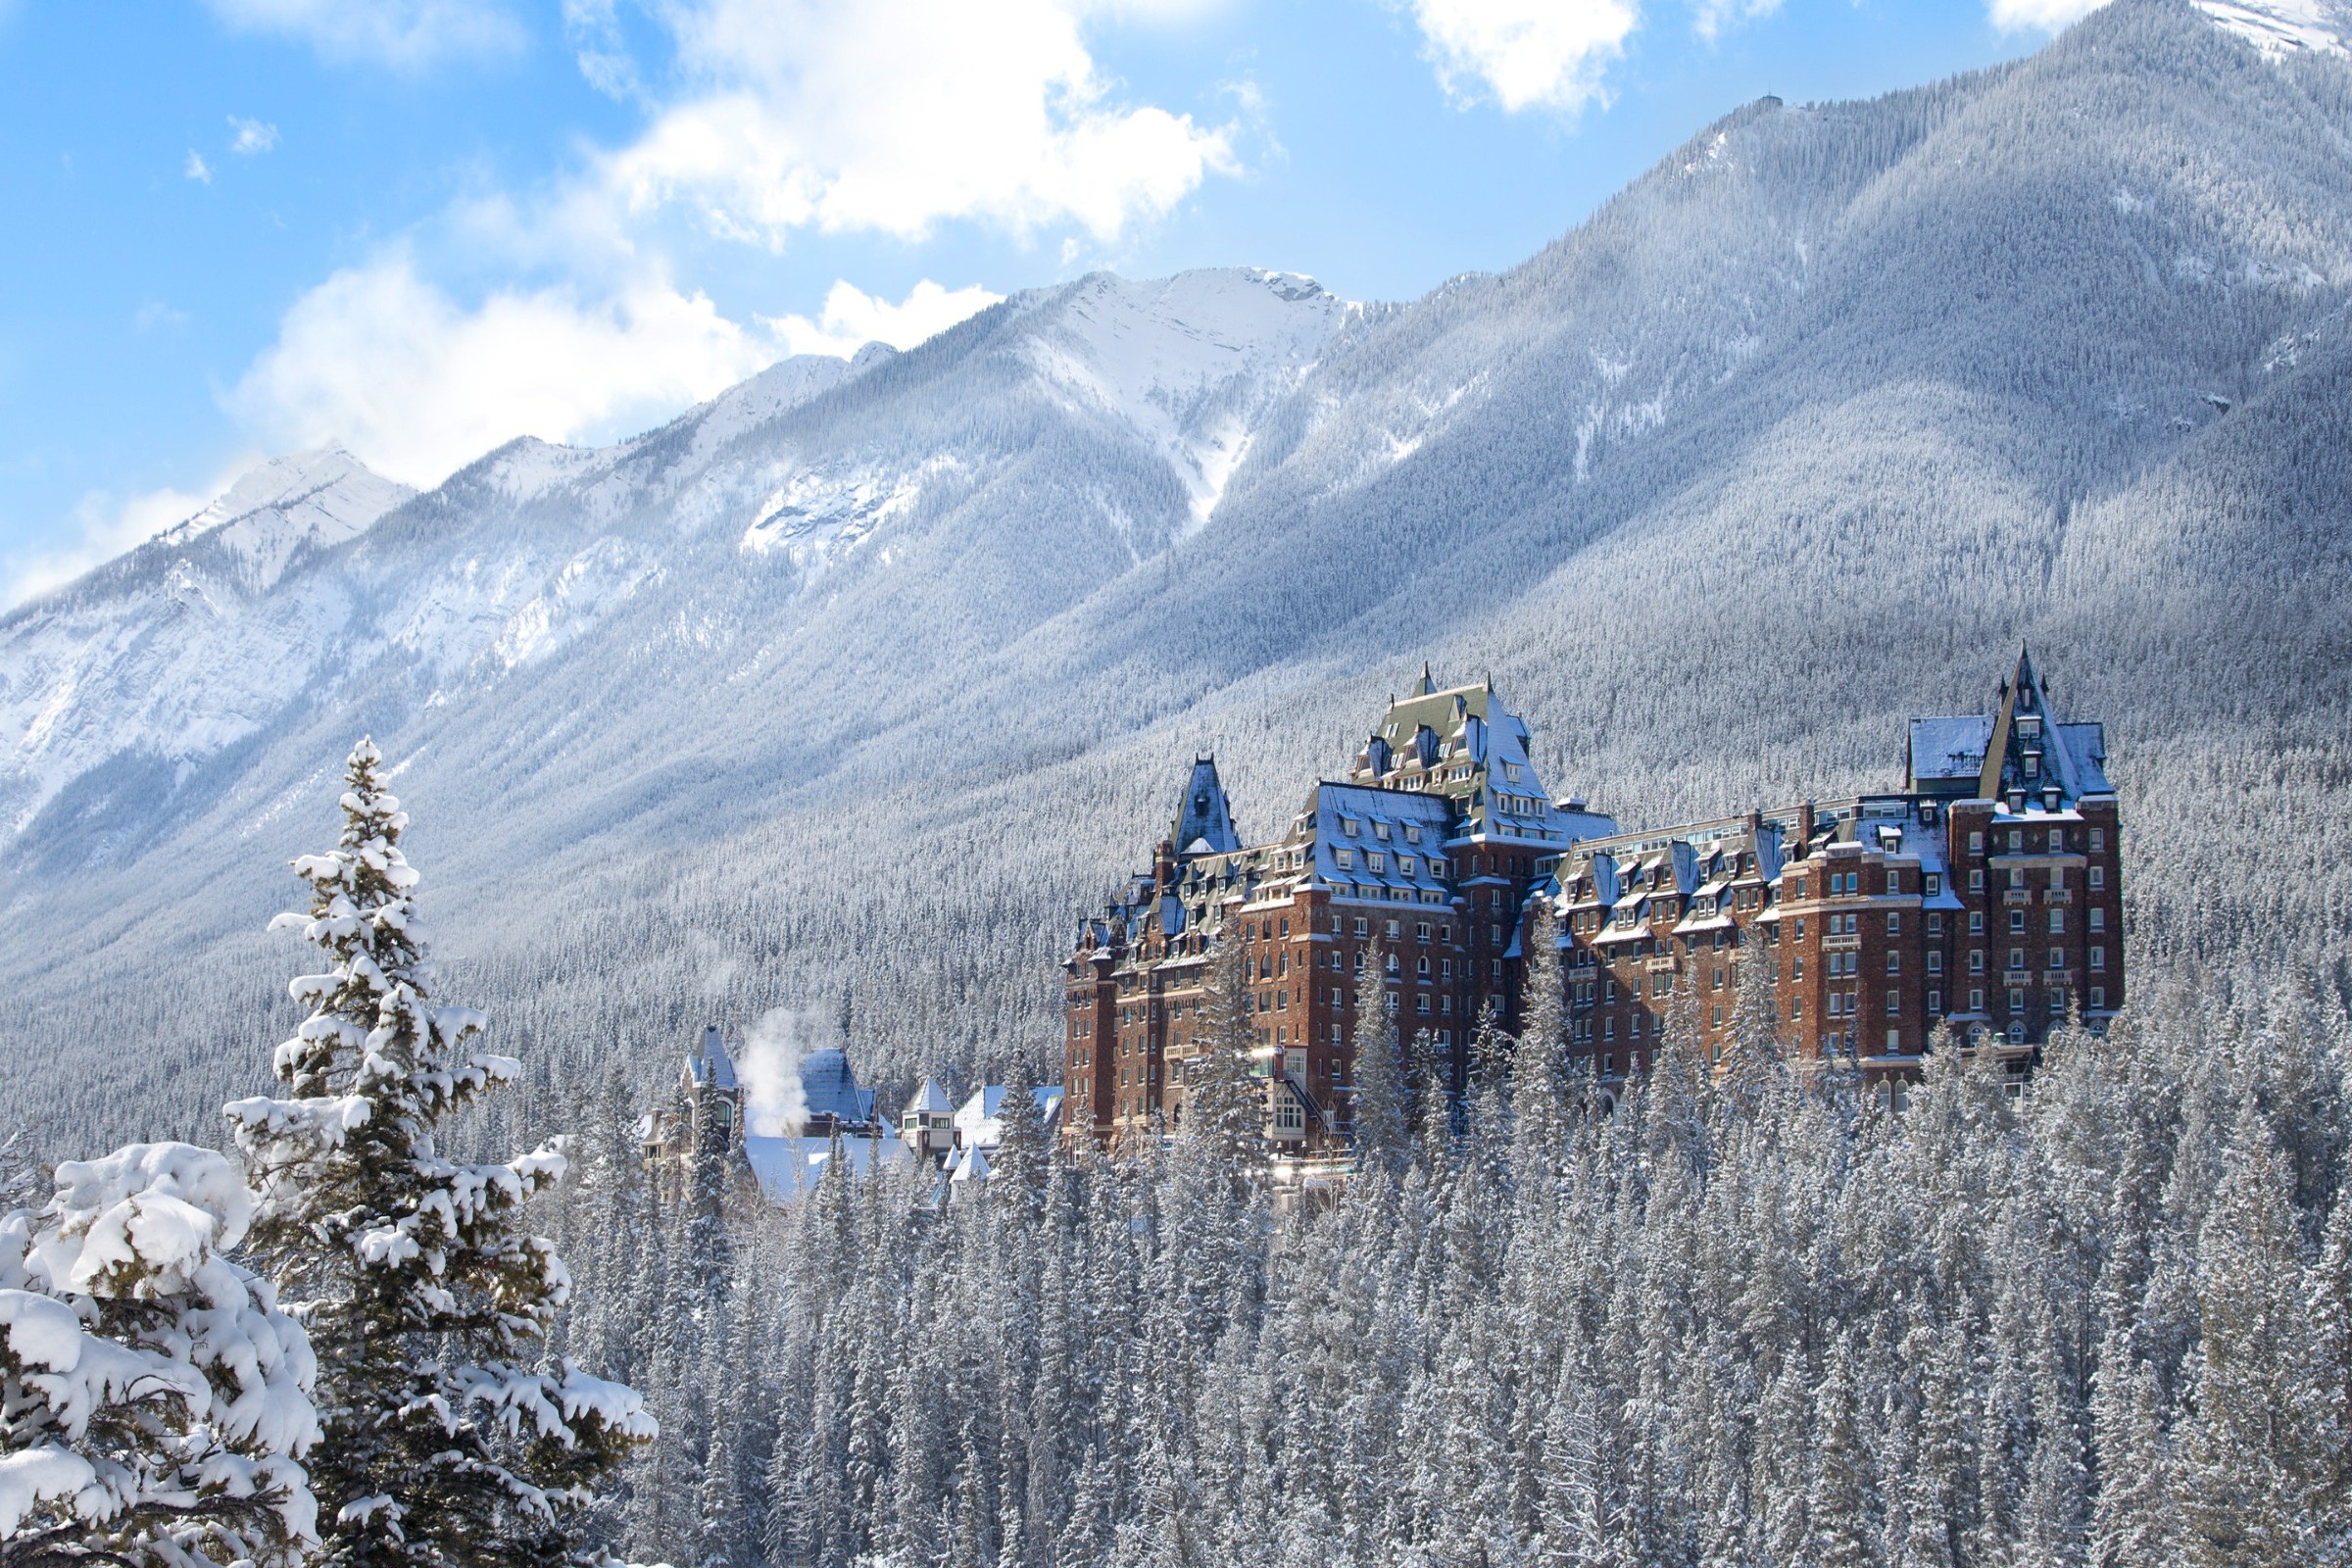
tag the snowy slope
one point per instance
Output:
(846, 688)
(187, 645)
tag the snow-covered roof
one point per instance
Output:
(1203, 817)
(1949, 748)
(1402, 865)
(928, 1100)
(789, 1169)
(980, 1121)
(712, 1066)
(971, 1165)
(831, 1087)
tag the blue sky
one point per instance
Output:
(424, 227)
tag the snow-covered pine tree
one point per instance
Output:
(154, 1400)
(425, 1293)
(1540, 1065)
(1021, 1161)
(1377, 1072)
(1224, 1103)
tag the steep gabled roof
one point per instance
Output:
(1203, 817)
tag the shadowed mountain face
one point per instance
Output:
(846, 688)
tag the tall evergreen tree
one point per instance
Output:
(1376, 1072)
(1224, 1101)
(425, 1293)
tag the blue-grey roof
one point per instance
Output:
(831, 1087)
(1949, 748)
(1203, 820)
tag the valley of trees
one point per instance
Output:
(1748, 1320)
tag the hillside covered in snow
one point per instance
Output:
(845, 690)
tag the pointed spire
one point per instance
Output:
(1425, 685)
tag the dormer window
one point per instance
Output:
(1510, 770)
(1348, 825)
(1412, 832)
(1380, 830)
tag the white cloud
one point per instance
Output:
(893, 116)
(873, 116)
(106, 525)
(853, 317)
(1713, 16)
(253, 136)
(405, 34)
(382, 360)
(2040, 15)
(1526, 54)
(196, 168)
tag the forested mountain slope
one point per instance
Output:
(841, 691)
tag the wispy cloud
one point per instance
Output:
(2040, 15)
(783, 117)
(253, 136)
(400, 34)
(851, 318)
(196, 168)
(105, 526)
(1525, 54)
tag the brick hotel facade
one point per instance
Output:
(1985, 894)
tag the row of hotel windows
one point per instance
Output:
(1847, 1005)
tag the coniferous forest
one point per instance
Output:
(1755, 1318)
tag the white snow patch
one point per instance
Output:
(2282, 27)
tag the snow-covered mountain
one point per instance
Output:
(845, 688)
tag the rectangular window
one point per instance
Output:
(1836, 1003)
(1405, 865)
(2098, 919)
(1934, 884)
(1421, 931)
(1934, 1004)
(1895, 881)
(1894, 1001)
(2058, 876)
(1894, 963)
(2095, 876)
(1894, 1041)
(1976, 960)
(1976, 1002)
(1936, 962)
(2098, 840)
(1608, 1029)
(2057, 922)
(1975, 881)
(1975, 843)
(2098, 957)
(2017, 1002)
(2098, 995)
(2017, 919)
(1362, 928)
(2017, 841)
(2057, 958)
(1422, 1005)
(1377, 861)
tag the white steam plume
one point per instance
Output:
(770, 1068)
